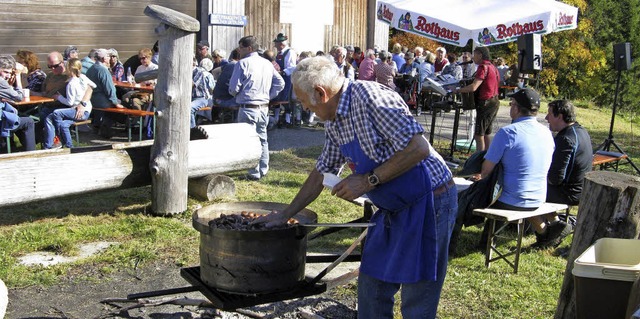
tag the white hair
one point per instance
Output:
(317, 71)
(442, 49)
(342, 51)
(101, 54)
(370, 53)
(419, 50)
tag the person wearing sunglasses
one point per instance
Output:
(135, 99)
(23, 127)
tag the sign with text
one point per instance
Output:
(227, 20)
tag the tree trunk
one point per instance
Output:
(212, 187)
(609, 207)
(172, 97)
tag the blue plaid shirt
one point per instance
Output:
(384, 125)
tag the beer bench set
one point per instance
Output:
(510, 216)
(608, 160)
(140, 114)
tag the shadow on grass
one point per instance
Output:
(128, 201)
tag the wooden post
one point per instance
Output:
(172, 95)
(610, 207)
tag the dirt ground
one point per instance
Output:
(78, 298)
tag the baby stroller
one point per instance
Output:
(408, 87)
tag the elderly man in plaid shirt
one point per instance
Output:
(370, 128)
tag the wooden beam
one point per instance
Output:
(33, 176)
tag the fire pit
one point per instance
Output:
(251, 261)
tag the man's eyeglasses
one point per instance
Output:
(54, 66)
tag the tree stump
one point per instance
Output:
(169, 158)
(610, 207)
(212, 187)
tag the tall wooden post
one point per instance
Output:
(168, 163)
(610, 207)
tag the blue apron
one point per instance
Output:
(285, 94)
(401, 247)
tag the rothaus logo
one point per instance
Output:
(436, 30)
(565, 19)
(384, 13)
(517, 29)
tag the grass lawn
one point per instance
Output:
(471, 290)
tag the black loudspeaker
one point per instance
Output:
(530, 52)
(622, 56)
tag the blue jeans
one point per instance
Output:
(58, 123)
(258, 118)
(420, 299)
(196, 105)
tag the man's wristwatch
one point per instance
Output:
(373, 179)
(83, 103)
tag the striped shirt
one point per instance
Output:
(384, 125)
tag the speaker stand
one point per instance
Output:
(609, 141)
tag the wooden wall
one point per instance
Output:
(349, 24)
(349, 28)
(222, 37)
(264, 22)
(43, 26)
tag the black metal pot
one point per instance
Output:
(257, 261)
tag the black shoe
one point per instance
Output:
(249, 178)
(198, 133)
(105, 131)
(555, 233)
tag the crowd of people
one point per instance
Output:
(368, 126)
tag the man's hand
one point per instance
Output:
(272, 219)
(352, 187)
(119, 106)
(79, 112)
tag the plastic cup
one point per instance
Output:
(26, 93)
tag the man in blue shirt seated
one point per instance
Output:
(524, 149)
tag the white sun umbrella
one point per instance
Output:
(486, 22)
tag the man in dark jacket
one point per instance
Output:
(572, 157)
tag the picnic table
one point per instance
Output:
(135, 86)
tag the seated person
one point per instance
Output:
(104, 95)
(572, 156)
(222, 100)
(410, 65)
(11, 89)
(203, 84)
(524, 148)
(384, 71)
(453, 68)
(35, 76)
(135, 99)
(79, 106)
(427, 69)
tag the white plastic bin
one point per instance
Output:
(603, 276)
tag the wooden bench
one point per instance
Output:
(75, 128)
(510, 216)
(504, 89)
(608, 159)
(130, 113)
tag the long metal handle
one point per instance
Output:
(346, 225)
(340, 259)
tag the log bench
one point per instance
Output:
(608, 159)
(140, 114)
(510, 216)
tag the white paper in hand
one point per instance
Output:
(331, 180)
